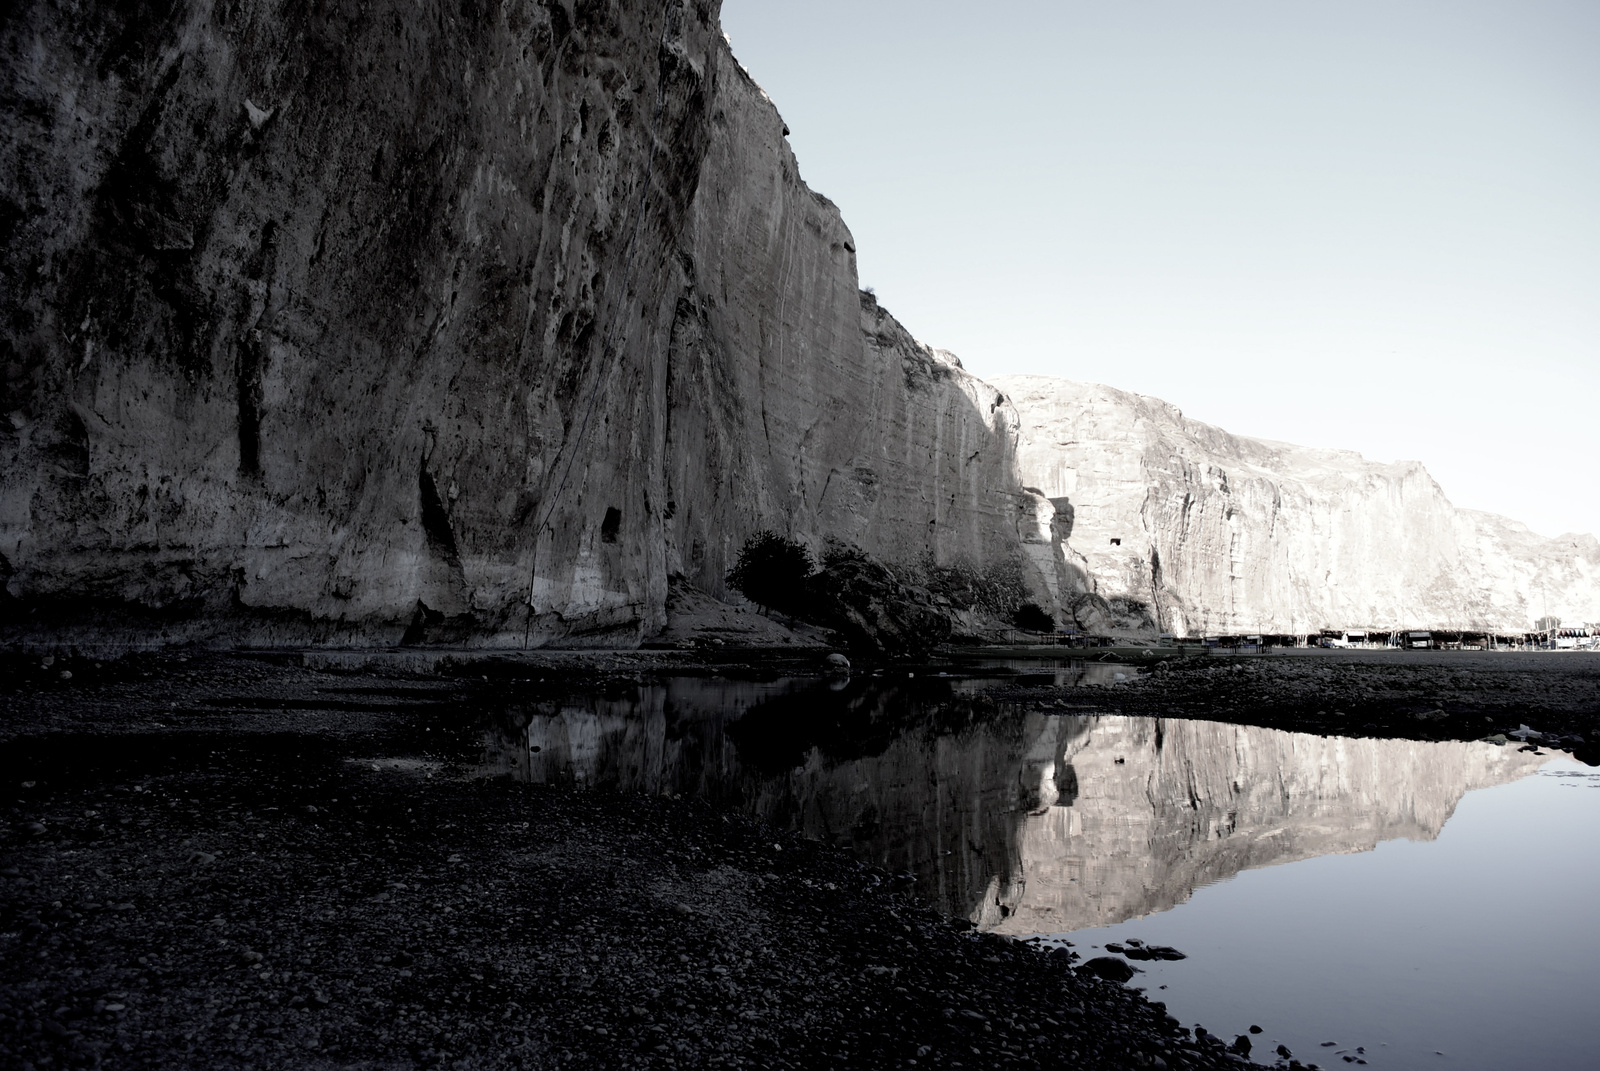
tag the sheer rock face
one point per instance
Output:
(1219, 533)
(1164, 807)
(374, 324)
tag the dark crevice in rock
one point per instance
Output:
(1066, 779)
(416, 633)
(252, 356)
(70, 451)
(436, 521)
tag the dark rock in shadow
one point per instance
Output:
(1108, 967)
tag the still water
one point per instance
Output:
(1429, 903)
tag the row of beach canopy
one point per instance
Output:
(1579, 636)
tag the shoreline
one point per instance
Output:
(280, 859)
(234, 864)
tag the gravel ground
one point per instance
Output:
(228, 862)
(1441, 695)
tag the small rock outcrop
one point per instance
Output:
(877, 613)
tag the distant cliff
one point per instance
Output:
(1198, 530)
(376, 323)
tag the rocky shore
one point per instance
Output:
(304, 860)
(229, 862)
(1524, 699)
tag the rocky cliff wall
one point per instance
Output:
(797, 403)
(1216, 532)
(387, 323)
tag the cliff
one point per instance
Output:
(1196, 530)
(384, 323)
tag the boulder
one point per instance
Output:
(1110, 968)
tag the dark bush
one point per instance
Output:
(773, 571)
(1031, 617)
(877, 613)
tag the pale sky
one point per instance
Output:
(1368, 224)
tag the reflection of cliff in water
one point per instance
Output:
(1023, 822)
(1166, 806)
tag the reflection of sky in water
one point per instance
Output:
(1032, 823)
(1484, 943)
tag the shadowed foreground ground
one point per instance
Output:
(231, 863)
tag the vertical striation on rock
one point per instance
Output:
(1196, 530)
(385, 324)
(799, 404)
(382, 324)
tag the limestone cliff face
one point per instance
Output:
(470, 325)
(796, 402)
(1220, 533)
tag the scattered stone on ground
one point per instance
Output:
(695, 619)
(221, 862)
(1544, 699)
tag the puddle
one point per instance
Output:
(1436, 901)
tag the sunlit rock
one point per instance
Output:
(1196, 530)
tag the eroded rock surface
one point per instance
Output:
(327, 325)
(1197, 530)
